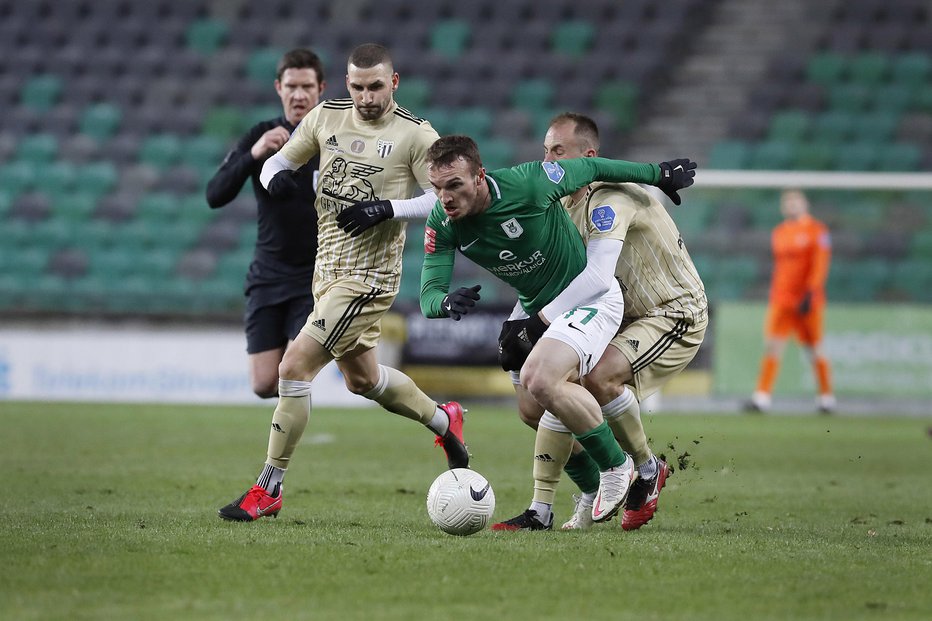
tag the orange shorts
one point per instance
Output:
(783, 320)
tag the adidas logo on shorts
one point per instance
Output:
(543, 457)
(634, 344)
(319, 323)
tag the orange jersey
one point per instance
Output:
(802, 250)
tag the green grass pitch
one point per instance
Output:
(111, 514)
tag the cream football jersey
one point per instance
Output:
(655, 272)
(361, 161)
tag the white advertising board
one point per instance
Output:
(139, 364)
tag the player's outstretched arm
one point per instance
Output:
(277, 176)
(362, 216)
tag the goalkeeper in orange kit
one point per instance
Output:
(801, 252)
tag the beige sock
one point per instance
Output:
(623, 415)
(551, 451)
(288, 421)
(397, 393)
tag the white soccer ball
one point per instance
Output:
(460, 502)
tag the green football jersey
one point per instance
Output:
(525, 238)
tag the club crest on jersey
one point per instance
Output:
(554, 171)
(512, 228)
(384, 147)
(603, 217)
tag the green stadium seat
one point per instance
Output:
(877, 127)
(474, 122)
(254, 116)
(854, 98)
(157, 264)
(813, 156)
(161, 150)
(833, 127)
(59, 178)
(41, 92)
(869, 68)
(450, 38)
(19, 177)
(38, 149)
(228, 123)
(97, 178)
(497, 153)
(894, 98)
(856, 156)
(573, 38)
(899, 157)
(923, 100)
(912, 279)
(772, 155)
(618, 98)
(789, 125)
(74, 207)
(533, 95)
(827, 69)
(413, 94)
(100, 121)
(857, 280)
(206, 35)
(440, 119)
(159, 207)
(6, 202)
(117, 262)
(46, 291)
(261, 65)
(911, 69)
(693, 217)
(204, 150)
(921, 246)
(729, 155)
(30, 261)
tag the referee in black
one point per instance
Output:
(278, 284)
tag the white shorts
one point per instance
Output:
(587, 329)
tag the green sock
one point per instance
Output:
(602, 447)
(583, 471)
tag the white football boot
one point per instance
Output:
(582, 514)
(614, 484)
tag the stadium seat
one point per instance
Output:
(227, 122)
(573, 38)
(827, 69)
(899, 157)
(833, 127)
(96, 178)
(856, 156)
(261, 64)
(474, 122)
(851, 97)
(100, 121)
(533, 95)
(789, 125)
(450, 38)
(497, 153)
(38, 149)
(619, 98)
(161, 150)
(813, 156)
(18, 177)
(206, 36)
(869, 68)
(911, 69)
(41, 92)
(772, 155)
(729, 155)
(413, 94)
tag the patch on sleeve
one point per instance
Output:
(554, 171)
(603, 217)
(825, 240)
(430, 240)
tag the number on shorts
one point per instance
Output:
(590, 313)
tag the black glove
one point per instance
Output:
(513, 345)
(459, 302)
(535, 328)
(676, 175)
(283, 184)
(805, 305)
(362, 216)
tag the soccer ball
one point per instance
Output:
(460, 502)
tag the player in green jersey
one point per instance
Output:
(664, 324)
(510, 223)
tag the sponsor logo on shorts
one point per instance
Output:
(277, 427)
(319, 323)
(543, 457)
(633, 343)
